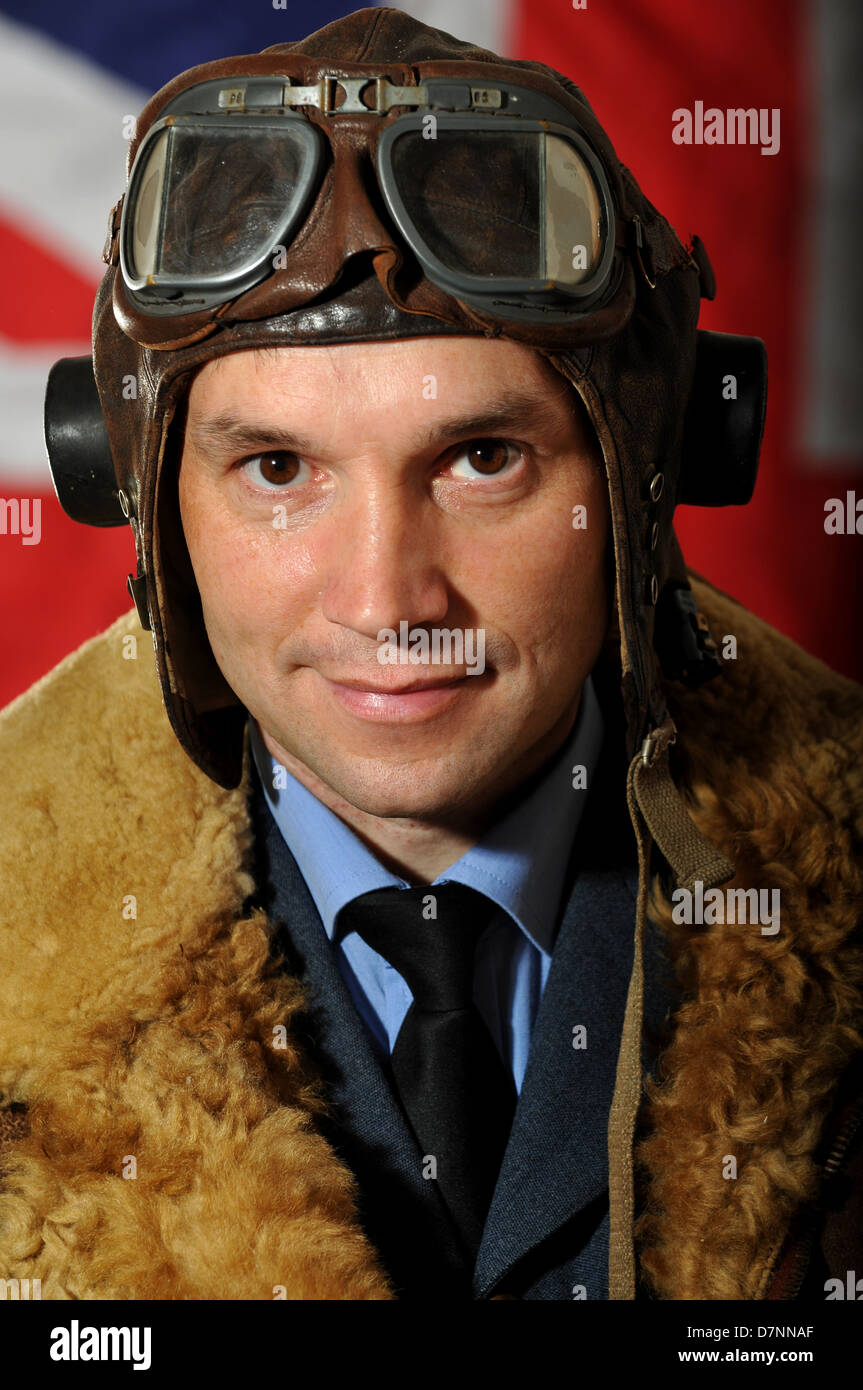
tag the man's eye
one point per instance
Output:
(274, 469)
(485, 458)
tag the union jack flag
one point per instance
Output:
(779, 231)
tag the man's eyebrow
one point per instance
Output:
(522, 410)
(221, 434)
(517, 411)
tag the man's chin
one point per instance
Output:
(427, 790)
(401, 799)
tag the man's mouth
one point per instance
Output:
(405, 702)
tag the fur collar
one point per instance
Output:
(169, 1138)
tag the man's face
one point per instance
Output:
(331, 493)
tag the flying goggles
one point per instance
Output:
(248, 195)
(495, 189)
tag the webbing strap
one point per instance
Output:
(627, 1085)
(658, 816)
(690, 856)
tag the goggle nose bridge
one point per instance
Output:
(322, 96)
(370, 225)
(323, 93)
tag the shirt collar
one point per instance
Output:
(520, 862)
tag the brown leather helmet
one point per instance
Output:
(635, 359)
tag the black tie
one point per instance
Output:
(458, 1095)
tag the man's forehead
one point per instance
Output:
(377, 359)
(427, 388)
(306, 432)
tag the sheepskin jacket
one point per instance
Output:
(155, 1144)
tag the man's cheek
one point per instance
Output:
(237, 573)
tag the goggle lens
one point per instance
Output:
(213, 202)
(500, 205)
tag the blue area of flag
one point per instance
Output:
(148, 42)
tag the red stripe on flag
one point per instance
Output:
(43, 299)
(637, 61)
(56, 594)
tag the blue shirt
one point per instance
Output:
(520, 863)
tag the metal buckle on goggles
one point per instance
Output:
(494, 188)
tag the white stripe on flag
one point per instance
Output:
(487, 23)
(23, 375)
(62, 147)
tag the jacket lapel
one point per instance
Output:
(547, 1227)
(556, 1162)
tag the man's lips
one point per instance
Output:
(371, 688)
(410, 702)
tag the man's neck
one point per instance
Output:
(419, 850)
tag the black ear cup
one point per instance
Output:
(724, 421)
(76, 438)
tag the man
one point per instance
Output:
(497, 938)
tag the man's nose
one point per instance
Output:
(385, 566)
